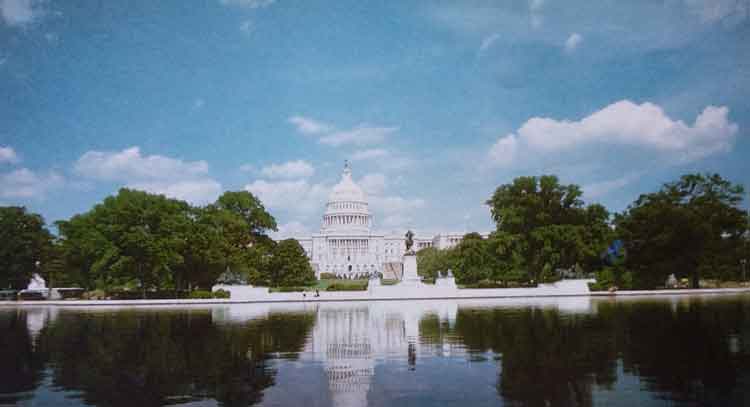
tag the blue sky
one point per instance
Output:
(435, 103)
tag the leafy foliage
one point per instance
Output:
(289, 265)
(690, 227)
(24, 240)
(548, 226)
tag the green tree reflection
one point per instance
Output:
(692, 352)
(157, 358)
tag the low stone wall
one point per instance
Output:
(248, 294)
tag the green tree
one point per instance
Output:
(142, 236)
(431, 261)
(550, 224)
(472, 260)
(289, 265)
(689, 227)
(82, 244)
(24, 240)
(258, 221)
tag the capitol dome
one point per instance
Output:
(347, 211)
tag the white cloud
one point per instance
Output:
(248, 3)
(373, 184)
(306, 125)
(129, 164)
(396, 204)
(624, 123)
(369, 154)
(297, 196)
(199, 191)
(26, 184)
(573, 41)
(8, 155)
(363, 134)
(187, 180)
(291, 169)
(291, 229)
(20, 12)
(503, 152)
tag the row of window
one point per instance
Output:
(346, 220)
(346, 205)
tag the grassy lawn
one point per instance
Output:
(321, 285)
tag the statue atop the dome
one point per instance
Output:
(409, 241)
(347, 167)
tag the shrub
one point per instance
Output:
(290, 289)
(94, 295)
(201, 294)
(386, 281)
(222, 294)
(328, 276)
(485, 284)
(351, 286)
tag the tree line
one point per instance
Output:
(693, 228)
(136, 240)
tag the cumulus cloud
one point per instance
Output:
(291, 229)
(248, 3)
(373, 184)
(363, 134)
(8, 155)
(623, 123)
(27, 184)
(298, 196)
(396, 204)
(291, 169)
(306, 125)
(199, 191)
(573, 41)
(130, 164)
(176, 178)
(20, 12)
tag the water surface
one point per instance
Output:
(569, 351)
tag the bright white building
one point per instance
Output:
(347, 246)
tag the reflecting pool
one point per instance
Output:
(682, 350)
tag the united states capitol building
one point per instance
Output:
(347, 246)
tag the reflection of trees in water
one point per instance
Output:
(688, 353)
(154, 358)
(21, 364)
(697, 352)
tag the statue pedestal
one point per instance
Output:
(410, 278)
(446, 282)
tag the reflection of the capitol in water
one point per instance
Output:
(351, 339)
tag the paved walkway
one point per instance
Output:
(567, 288)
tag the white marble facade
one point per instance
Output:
(347, 246)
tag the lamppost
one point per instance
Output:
(743, 262)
